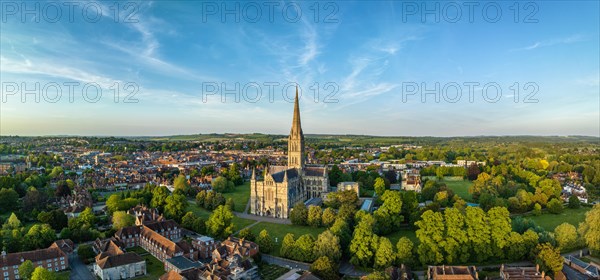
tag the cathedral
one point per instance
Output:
(284, 186)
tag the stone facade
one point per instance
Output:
(284, 186)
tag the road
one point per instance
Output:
(79, 270)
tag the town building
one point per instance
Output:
(113, 263)
(284, 186)
(349, 186)
(445, 272)
(521, 273)
(53, 258)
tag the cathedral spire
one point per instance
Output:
(296, 138)
(253, 174)
(296, 126)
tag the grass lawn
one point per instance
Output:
(240, 196)
(279, 231)
(458, 185)
(63, 275)
(154, 268)
(550, 221)
(394, 237)
(137, 249)
(271, 271)
(239, 223)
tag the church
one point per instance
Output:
(284, 186)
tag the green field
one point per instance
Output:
(550, 221)
(240, 196)
(457, 184)
(154, 268)
(279, 231)
(239, 223)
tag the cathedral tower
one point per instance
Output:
(296, 139)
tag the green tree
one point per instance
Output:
(574, 202)
(500, 228)
(589, 229)
(26, 269)
(41, 273)
(478, 231)
(364, 242)
(537, 209)
(327, 244)
(159, 197)
(247, 234)
(85, 252)
(299, 214)
(219, 223)
(404, 249)
(515, 249)
(8, 197)
(328, 217)
(341, 229)
(549, 258)
(121, 219)
(456, 244)
(265, 242)
(175, 206)
(314, 216)
(430, 233)
(379, 186)
(39, 236)
(324, 268)
(304, 248)
(12, 222)
(221, 184)
(384, 256)
(555, 206)
(566, 236)
(288, 246)
(193, 222)
(182, 185)
(388, 216)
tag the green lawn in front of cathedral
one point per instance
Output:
(279, 231)
(240, 196)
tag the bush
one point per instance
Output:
(574, 202)
(555, 206)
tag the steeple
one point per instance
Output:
(296, 126)
(296, 138)
(253, 174)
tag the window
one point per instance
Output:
(49, 265)
(6, 273)
(62, 262)
(56, 269)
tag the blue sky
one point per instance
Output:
(371, 54)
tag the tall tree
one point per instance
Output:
(430, 233)
(299, 214)
(121, 219)
(26, 269)
(549, 258)
(175, 206)
(41, 273)
(478, 231)
(385, 256)
(589, 229)
(404, 249)
(566, 236)
(314, 216)
(219, 223)
(364, 242)
(265, 242)
(327, 244)
(325, 268)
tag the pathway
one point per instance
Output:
(249, 226)
(79, 271)
(263, 219)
